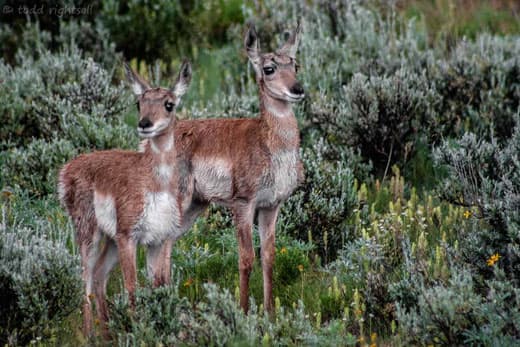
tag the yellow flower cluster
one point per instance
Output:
(493, 259)
(373, 340)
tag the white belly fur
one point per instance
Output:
(160, 219)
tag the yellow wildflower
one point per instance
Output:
(373, 340)
(188, 282)
(283, 250)
(493, 259)
(467, 214)
(300, 267)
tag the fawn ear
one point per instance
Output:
(138, 84)
(183, 80)
(251, 44)
(290, 46)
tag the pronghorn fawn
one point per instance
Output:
(250, 165)
(118, 199)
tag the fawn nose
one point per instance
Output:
(145, 123)
(297, 89)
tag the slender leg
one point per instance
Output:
(89, 251)
(106, 262)
(153, 254)
(87, 279)
(266, 228)
(244, 214)
(165, 264)
(127, 257)
(158, 263)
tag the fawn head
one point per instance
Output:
(276, 72)
(157, 106)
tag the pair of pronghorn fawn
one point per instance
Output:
(119, 199)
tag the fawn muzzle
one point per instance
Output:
(297, 89)
(145, 123)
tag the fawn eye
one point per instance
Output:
(138, 108)
(268, 70)
(168, 106)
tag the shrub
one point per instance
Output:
(39, 285)
(35, 167)
(484, 175)
(454, 314)
(443, 313)
(92, 38)
(40, 92)
(319, 210)
(55, 107)
(30, 39)
(478, 88)
(501, 315)
(385, 117)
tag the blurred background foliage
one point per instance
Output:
(406, 230)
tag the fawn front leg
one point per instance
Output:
(165, 264)
(158, 263)
(266, 229)
(127, 257)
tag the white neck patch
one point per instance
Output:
(168, 146)
(277, 111)
(164, 172)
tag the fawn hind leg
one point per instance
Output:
(106, 261)
(89, 251)
(243, 215)
(266, 228)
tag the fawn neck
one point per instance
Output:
(275, 107)
(163, 144)
(162, 153)
(280, 120)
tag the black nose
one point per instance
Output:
(297, 89)
(145, 123)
